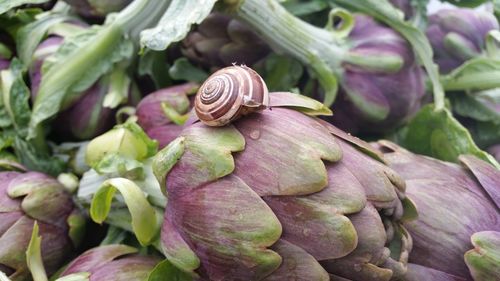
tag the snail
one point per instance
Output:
(230, 93)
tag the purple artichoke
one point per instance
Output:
(24, 199)
(495, 151)
(85, 116)
(220, 41)
(112, 263)
(457, 35)
(93, 8)
(454, 202)
(154, 109)
(238, 210)
(374, 100)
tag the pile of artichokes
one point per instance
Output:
(249, 140)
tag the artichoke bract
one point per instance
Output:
(84, 115)
(454, 202)
(92, 8)
(279, 195)
(484, 260)
(457, 35)
(220, 41)
(377, 99)
(24, 199)
(161, 114)
(112, 262)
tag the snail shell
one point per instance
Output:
(229, 94)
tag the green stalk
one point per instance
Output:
(315, 47)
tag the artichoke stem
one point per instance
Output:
(287, 33)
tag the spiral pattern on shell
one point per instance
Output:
(229, 94)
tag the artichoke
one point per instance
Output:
(94, 8)
(457, 35)
(84, 115)
(220, 41)
(161, 114)
(454, 202)
(112, 262)
(372, 100)
(238, 210)
(24, 199)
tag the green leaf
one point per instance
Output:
(29, 36)
(482, 106)
(128, 140)
(114, 235)
(476, 74)
(436, 133)
(485, 134)
(281, 73)
(165, 270)
(176, 23)
(37, 160)
(383, 11)
(79, 276)
(119, 87)
(15, 97)
(466, 3)
(154, 64)
(12, 21)
(182, 69)
(80, 61)
(9, 4)
(144, 222)
(34, 256)
(120, 165)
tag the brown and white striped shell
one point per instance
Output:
(230, 93)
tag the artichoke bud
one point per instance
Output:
(97, 9)
(220, 41)
(111, 263)
(163, 113)
(381, 83)
(447, 194)
(457, 35)
(84, 115)
(237, 210)
(29, 197)
(127, 140)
